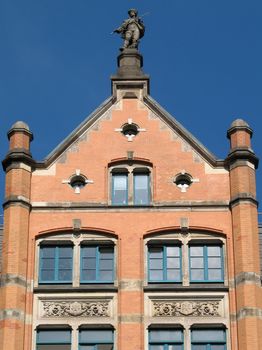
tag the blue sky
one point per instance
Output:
(204, 58)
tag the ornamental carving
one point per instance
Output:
(75, 309)
(186, 308)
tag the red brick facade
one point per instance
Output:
(214, 205)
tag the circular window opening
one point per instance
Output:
(130, 130)
(77, 182)
(183, 181)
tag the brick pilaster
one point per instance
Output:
(17, 165)
(242, 164)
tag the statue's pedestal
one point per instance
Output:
(130, 73)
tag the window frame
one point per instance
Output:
(131, 170)
(56, 269)
(206, 257)
(164, 247)
(97, 263)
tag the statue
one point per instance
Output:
(132, 29)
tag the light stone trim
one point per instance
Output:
(245, 278)
(174, 308)
(51, 171)
(131, 284)
(15, 314)
(75, 308)
(210, 170)
(186, 315)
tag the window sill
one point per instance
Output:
(65, 288)
(179, 287)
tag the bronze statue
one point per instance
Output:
(132, 29)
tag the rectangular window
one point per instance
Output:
(55, 264)
(208, 339)
(56, 339)
(166, 339)
(97, 264)
(164, 264)
(120, 189)
(206, 263)
(96, 339)
(141, 189)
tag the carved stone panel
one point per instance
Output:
(75, 308)
(178, 308)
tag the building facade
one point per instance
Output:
(131, 234)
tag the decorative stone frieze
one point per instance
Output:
(57, 309)
(186, 308)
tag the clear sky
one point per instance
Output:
(204, 58)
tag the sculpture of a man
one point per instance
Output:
(132, 29)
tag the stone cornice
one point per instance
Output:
(243, 153)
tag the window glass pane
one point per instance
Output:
(214, 250)
(215, 274)
(106, 253)
(197, 262)
(65, 275)
(47, 275)
(105, 347)
(89, 263)
(173, 262)
(88, 251)
(65, 263)
(166, 335)
(119, 195)
(156, 347)
(95, 336)
(208, 335)
(87, 347)
(141, 190)
(65, 252)
(173, 275)
(54, 336)
(106, 264)
(197, 275)
(175, 347)
(48, 263)
(89, 275)
(214, 262)
(196, 251)
(48, 252)
(199, 347)
(106, 275)
(54, 347)
(156, 252)
(156, 275)
(156, 264)
(173, 251)
(217, 347)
